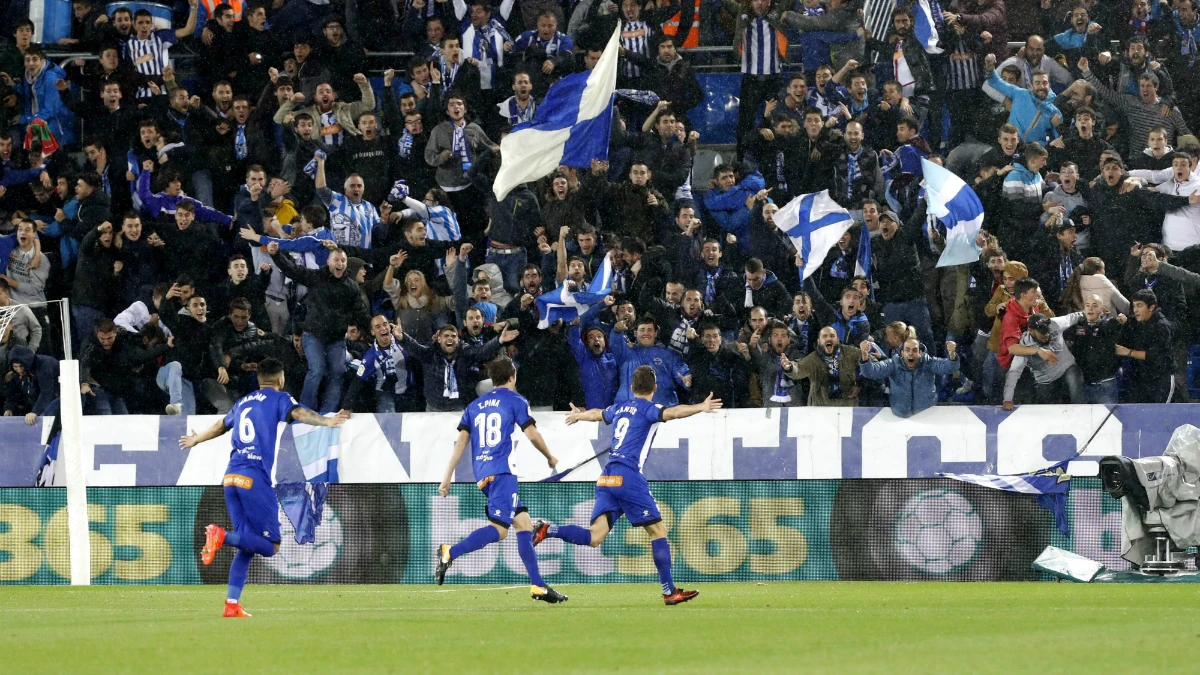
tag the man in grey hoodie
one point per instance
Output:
(1054, 369)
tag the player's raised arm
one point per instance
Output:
(577, 415)
(190, 441)
(306, 416)
(681, 411)
(464, 437)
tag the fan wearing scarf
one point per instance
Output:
(447, 365)
(455, 144)
(832, 370)
(779, 390)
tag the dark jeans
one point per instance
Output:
(755, 90)
(83, 319)
(326, 362)
(914, 313)
(1066, 389)
(1102, 392)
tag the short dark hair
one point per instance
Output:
(910, 122)
(642, 381)
(317, 216)
(647, 319)
(1144, 296)
(269, 369)
(1024, 285)
(104, 326)
(501, 371)
(633, 245)
(92, 180)
(239, 303)
(753, 266)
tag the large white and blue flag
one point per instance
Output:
(814, 223)
(925, 28)
(957, 206)
(571, 126)
(563, 304)
(1051, 486)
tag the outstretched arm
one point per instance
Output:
(306, 416)
(190, 441)
(681, 411)
(460, 445)
(577, 415)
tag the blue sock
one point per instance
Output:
(525, 548)
(475, 541)
(572, 534)
(250, 542)
(662, 560)
(237, 575)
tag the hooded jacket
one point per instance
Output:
(40, 100)
(36, 388)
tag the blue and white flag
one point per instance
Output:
(925, 28)
(303, 503)
(318, 449)
(1051, 485)
(814, 223)
(571, 127)
(862, 262)
(565, 305)
(957, 206)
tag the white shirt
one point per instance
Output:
(1181, 228)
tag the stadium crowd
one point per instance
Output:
(273, 204)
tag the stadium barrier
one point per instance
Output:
(746, 531)
(794, 443)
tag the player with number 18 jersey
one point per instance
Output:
(486, 427)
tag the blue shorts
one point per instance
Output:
(252, 504)
(503, 501)
(621, 490)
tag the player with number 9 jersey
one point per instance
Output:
(622, 490)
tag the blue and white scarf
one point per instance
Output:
(404, 145)
(835, 380)
(710, 285)
(511, 111)
(853, 172)
(1188, 37)
(310, 169)
(449, 380)
(783, 383)
(240, 148)
(458, 145)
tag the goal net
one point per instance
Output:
(44, 328)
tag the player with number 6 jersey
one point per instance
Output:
(622, 489)
(249, 493)
(487, 426)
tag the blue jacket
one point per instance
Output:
(598, 373)
(911, 391)
(669, 369)
(309, 243)
(1034, 127)
(50, 106)
(729, 210)
(375, 365)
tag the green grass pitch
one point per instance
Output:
(775, 627)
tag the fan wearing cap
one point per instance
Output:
(1058, 378)
(1058, 259)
